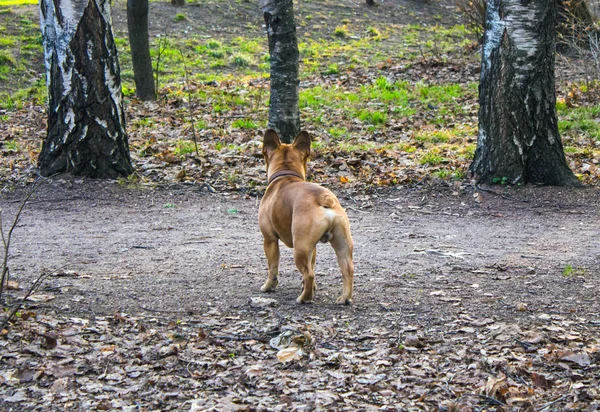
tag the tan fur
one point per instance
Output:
(301, 214)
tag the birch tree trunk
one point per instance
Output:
(518, 139)
(86, 122)
(284, 115)
(137, 28)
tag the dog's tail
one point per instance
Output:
(326, 200)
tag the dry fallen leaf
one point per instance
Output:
(289, 354)
(496, 387)
(580, 359)
(540, 381)
(40, 297)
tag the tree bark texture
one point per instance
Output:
(284, 115)
(518, 139)
(137, 27)
(86, 122)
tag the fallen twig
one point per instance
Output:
(559, 399)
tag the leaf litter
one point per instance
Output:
(261, 361)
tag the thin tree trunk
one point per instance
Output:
(137, 27)
(284, 115)
(518, 138)
(86, 122)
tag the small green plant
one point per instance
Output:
(184, 147)
(169, 206)
(180, 17)
(500, 180)
(7, 59)
(144, 122)
(332, 69)
(244, 124)
(569, 271)
(431, 158)
(442, 173)
(374, 118)
(337, 132)
(11, 146)
(213, 44)
(341, 32)
(241, 60)
(216, 53)
(374, 33)
(459, 174)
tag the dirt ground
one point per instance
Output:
(182, 250)
(215, 18)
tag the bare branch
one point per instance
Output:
(6, 239)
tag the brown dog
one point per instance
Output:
(301, 214)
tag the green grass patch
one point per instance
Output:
(341, 32)
(372, 117)
(7, 59)
(184, 147)
(338, 132)
(11, 146)
(431, 158)
(244, 124)
(17, 2)
(579, 121)
(180, 17)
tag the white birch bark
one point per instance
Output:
(86, 122)
(518, 139)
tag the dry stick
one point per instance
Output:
(189, 92)
(30, 292)
(160, 50)
(6, 239)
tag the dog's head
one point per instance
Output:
(282, 156)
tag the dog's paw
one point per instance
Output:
(344, 301)
(269, 286)
(301, 300)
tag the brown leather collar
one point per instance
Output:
(282, 173)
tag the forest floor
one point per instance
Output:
(466, 298)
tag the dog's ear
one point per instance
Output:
(271, 142)
(302, 143)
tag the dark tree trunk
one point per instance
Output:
(137, 26)
(518, 138)
(284, 115)
(86, 122)
(178, 2)
(370, 2)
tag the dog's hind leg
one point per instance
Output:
(272, 253)
(304, 262)
(343, 246)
